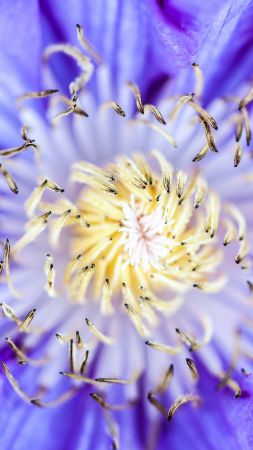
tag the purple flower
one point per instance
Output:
(126, 280)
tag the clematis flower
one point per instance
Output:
(126, 224)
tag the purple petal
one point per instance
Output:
(220, 422)
(19, 56)
(26, 426)
(118, 30)
(19, 45)
(230, 44)
(218, 36)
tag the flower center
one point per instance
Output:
(145, 242)
(134, 231)
(147, 231)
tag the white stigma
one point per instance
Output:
(145, 240)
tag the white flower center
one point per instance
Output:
(145, 240)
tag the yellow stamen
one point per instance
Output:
(35, 197)
(34, 228)
(26, 322)
(6, 265)
(98, 334)
(238, 155)
(50, 274)
(115, 106)
(166, 380)
(23, 357)
(163, 348)
(11, 183)
(86, 45)
(199, 80)
(193, 369)
(37, 94)
(83, 62)
(181, 400)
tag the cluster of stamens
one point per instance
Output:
(136, 231)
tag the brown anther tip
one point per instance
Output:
(237, 260)
(62, 190)
(177, 330)
(149, 395)
(68, 211)
(107, 280)
(123, 284)
(241, 105)
(147, 342)
(61, 373)
(250, 285)
(238, 394)
(195, 64)
(36, 402)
